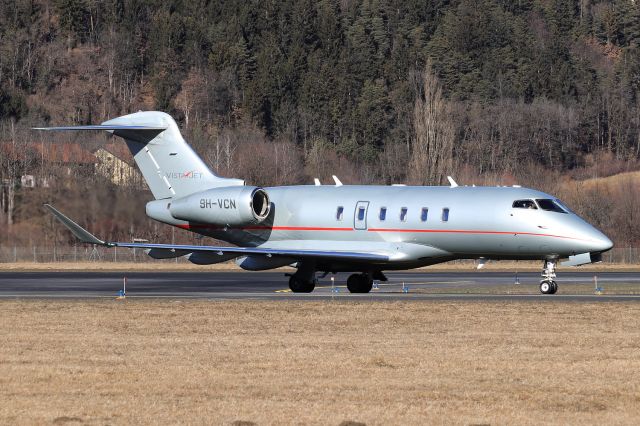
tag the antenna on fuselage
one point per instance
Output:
(336, 180)
(452, 182)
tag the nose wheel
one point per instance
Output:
(548, 287)
(547, 284)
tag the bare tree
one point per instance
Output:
(189, 97)
(14, 160)
(432, 150)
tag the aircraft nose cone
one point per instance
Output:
(602, 243)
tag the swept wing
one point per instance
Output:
(86, 237)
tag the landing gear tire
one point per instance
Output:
(298, 285)
(359, 283)
(548, 287)
(545, 287)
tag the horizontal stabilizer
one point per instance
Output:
(106, 127)
(135, 132)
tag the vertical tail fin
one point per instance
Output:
(168, 164)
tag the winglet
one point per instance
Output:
(452, 182)
(316, 182)
(78, 231)
(336, 180)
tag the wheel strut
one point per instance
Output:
(548, 284)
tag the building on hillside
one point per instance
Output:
(68, 158)
(34, 164)
(27, 165)
(116, 164)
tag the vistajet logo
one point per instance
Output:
(193, 174)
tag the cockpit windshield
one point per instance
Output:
(551, 205)
(563, 205)
(525, 204)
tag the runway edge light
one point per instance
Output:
(122, 294)
(598, 290)
(334, 289)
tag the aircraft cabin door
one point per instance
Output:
(360, 215)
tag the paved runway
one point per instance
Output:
(273, 285)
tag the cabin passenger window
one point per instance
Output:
(445, 214)
(383, 213)
(550, 206)
(361, 213)
(524, 204)
(424, 214)
(339, 213)
(403, 214)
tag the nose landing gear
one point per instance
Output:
(547, 284)
(548, 287)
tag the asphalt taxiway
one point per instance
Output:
(421, 285)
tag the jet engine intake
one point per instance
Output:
(233, 206)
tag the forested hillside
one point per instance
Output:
(491, 91)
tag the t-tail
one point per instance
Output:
(168, 164)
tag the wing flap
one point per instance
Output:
(343, 255)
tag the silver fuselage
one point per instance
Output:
(481, 223)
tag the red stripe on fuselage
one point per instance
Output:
(264, 228)
(316, 228)
(464, 231)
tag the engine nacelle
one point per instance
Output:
(233, 205)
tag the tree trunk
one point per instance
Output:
(434, 133)
(11, 194)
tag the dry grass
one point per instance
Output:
(609, 182)
(200, 362)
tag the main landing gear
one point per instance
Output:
(547, 284)
(360, 283)
(299, 284)
(304, 280)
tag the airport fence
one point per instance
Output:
(39, 254)
(69, 254)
